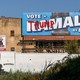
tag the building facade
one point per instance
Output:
(11, 29)
(48, 31)
(25, 36)
(47, 44)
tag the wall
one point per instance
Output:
(34, 62)
(7, 60)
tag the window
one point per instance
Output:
(30, 43)
(12, 33)
(12, 49)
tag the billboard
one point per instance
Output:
(2, 42)
(51, 24)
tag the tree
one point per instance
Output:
(72, 47)
(1, 70)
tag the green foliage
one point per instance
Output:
(72, 47)
(66, 69)
(2, 70)
(69, 70)
(22, 76)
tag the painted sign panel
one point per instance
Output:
(51, 23)
(2, 43)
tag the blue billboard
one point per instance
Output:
(50, 23)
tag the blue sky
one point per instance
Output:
(15, 8)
